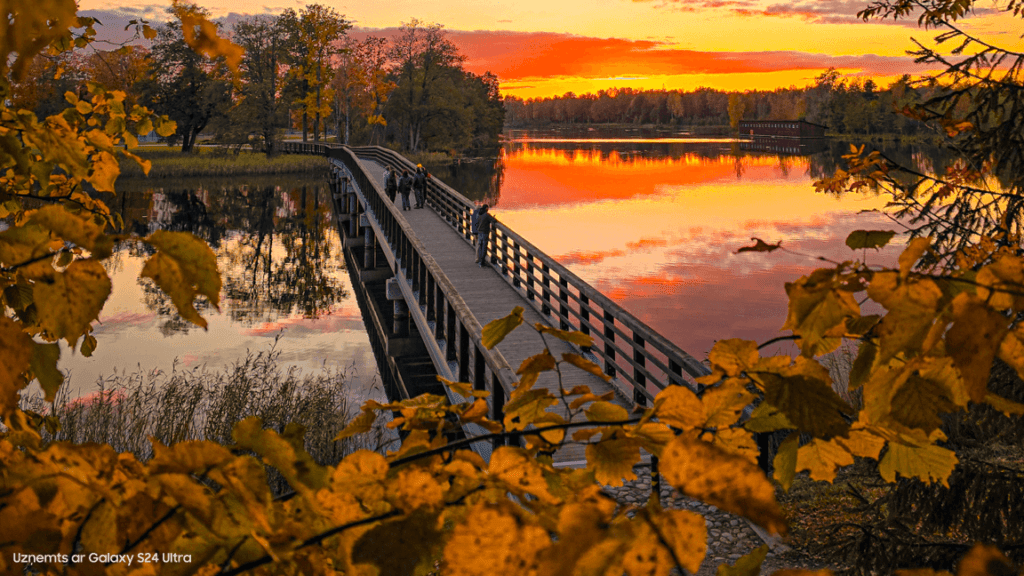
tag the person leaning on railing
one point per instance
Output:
(481, 228)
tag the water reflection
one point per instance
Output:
(655, 224)
(282, 272)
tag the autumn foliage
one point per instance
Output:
(199, 507)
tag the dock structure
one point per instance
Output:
(415, 276)
(781, 129)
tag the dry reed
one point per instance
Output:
(200, 404)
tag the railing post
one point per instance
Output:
(449, 332)
(530, 291)
(563, 308)
(609, 352)
(479, 369)
(638, 375)
(431, 288)
(585, 315)
(463, 353)
(545, 293)
(498, 406)
(675, 372)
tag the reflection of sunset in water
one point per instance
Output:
(658, 234)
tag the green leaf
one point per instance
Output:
(44, 366)
(496, 330)
(869, 238)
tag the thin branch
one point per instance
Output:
(128, 547)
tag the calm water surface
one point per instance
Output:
(284, 286)
(651, 218)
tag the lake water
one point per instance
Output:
(652, 219)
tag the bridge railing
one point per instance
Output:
(453, 324)
(629, 349)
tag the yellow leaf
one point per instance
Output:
(183, 267)
(685, 532)
(767, 418)
(913, 252)
(573, 337)
(679, 407)
(724, 404)
(588, 397)
(414, 488)
(919, 403)
(359, 425)
(984, 560)
(612, 459)
(973, 340)
(1011, 350)
(68, 302)
(818, 310)
(760, 246)
(44, 367)
(736, 441)
(496, 330)
(586, 365)
(748, 565)
(464, 389)
(922, 572)
(733, 355)
(201, 35)
(869, 238)
(73, 228)
(809, 403)
(531, 368)
(822, 457)
(491, 540)
(912, 306)
(361, 474)
(928, 462)
(716, 477)
(606, 412)
(104, 171)
(15, 357)
(100, 531)
(785, 461)
(521, 473)
(1008, 407)
(862, 443)
(525, 407)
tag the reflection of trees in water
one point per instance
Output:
(276, 253)
(287, 265)
(477, 179)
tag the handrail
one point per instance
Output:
(424, 283)
(648, 357)
(629, 349)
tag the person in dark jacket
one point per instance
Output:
(391, 184)
(481, 227)
(405, 188)
(420, 186)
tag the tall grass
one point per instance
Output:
(171, 163)
(200, 404)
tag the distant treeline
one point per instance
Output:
(845, 106)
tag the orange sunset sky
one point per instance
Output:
(543, 48)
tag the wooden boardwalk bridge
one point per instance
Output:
(422, 261)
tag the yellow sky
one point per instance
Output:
(822, 28)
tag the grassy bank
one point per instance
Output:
(171, 163)
(200, 404)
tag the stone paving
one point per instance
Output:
(729, 536)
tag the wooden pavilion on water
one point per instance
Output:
(790, 129)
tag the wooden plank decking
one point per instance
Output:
(488, 297)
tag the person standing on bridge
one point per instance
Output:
(420, 186)
(481, 227)
(405, 188)
(391, 184)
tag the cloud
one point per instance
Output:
(816, 11)
(517, 56)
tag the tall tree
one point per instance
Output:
(314, 34)
(424, 58)
(261, 107)
(122, 69)
(188, 87)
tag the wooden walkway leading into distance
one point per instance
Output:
(489, 297)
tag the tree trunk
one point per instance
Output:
(316, 129)
(305, 125)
